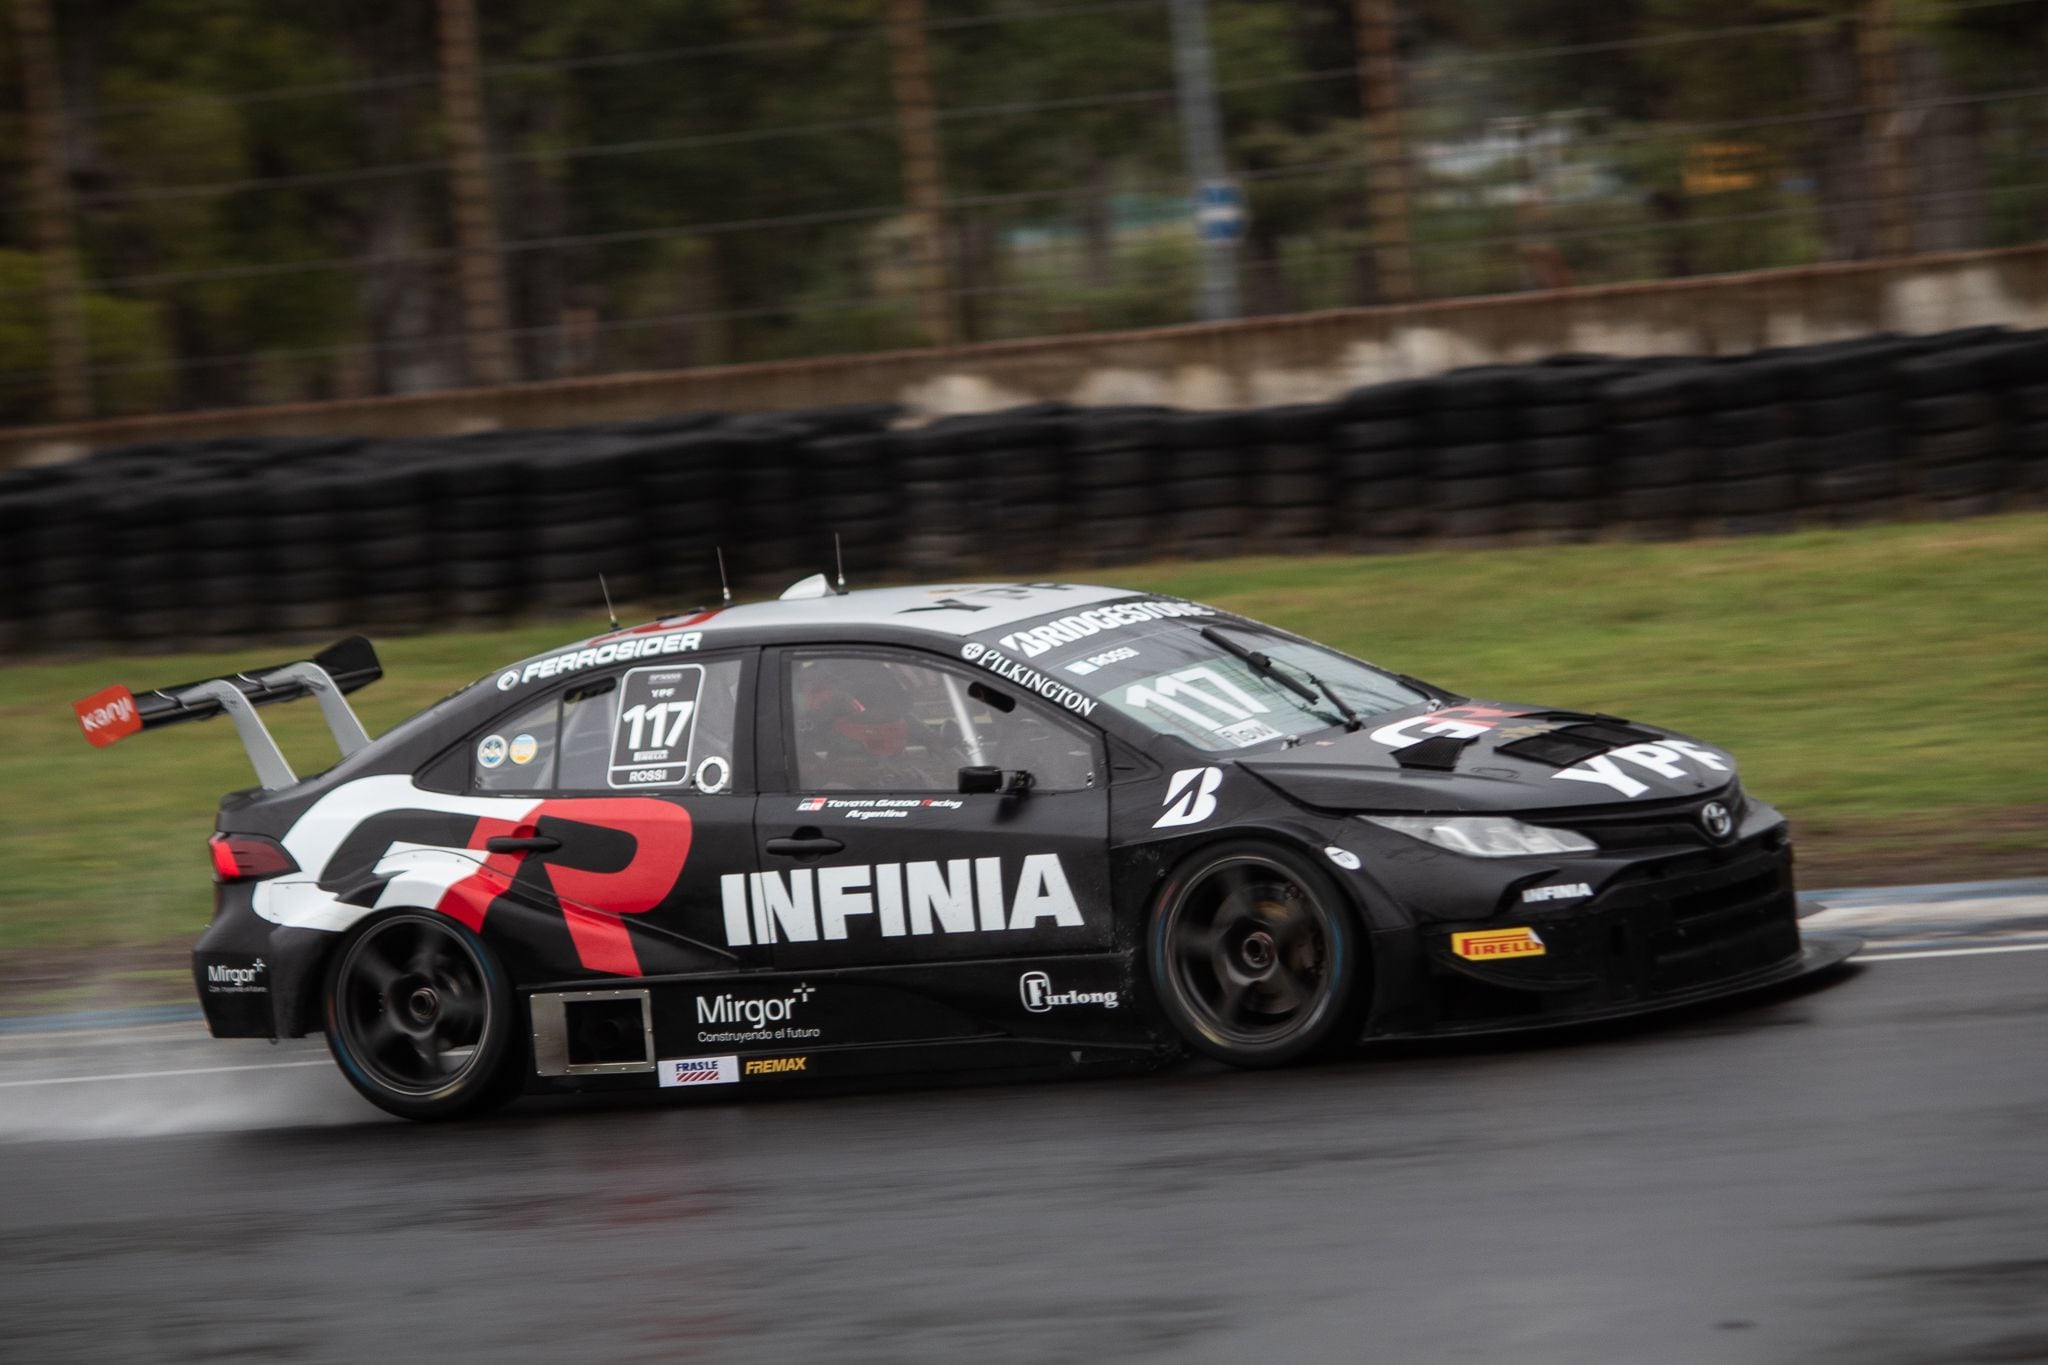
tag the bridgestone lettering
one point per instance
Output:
(1067, 630)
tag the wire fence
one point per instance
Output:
(271, 212)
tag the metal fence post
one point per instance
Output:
(479, 271)
(1379, 82)
(910, 84)
(1218, 205)
(1884, 133)
(49, 195)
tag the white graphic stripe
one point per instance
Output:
(1953, 952)
(153, 1075)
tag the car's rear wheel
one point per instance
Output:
(420, 1017)
(1254, 955)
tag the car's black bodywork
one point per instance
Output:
(724, 922)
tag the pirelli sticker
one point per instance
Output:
(1488, 945)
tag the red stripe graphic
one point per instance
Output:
(592, 902)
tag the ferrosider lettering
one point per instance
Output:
(645, 647)
(1067, 630)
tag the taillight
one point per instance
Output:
(247, 857)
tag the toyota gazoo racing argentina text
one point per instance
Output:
(958, 828)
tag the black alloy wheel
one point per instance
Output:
(1254, 956)
(420, 1017)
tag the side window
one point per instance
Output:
(518, 755)
(660, 727)
(867, 723)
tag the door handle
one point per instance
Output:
(815, 846)
(517, 843)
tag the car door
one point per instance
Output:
(871, 854)
(609, 815)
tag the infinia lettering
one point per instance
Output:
(955, 896)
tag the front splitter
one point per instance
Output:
(1817, 953)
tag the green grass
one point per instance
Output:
(1871, 681)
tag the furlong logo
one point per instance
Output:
(1039, 996)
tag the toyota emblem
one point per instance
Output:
(1717, 820)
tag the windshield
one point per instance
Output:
(1164, 674)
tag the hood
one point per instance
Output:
(1494, 756)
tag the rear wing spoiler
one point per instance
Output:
(116, 712)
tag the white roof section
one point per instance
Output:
(957, 609)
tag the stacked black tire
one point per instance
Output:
(1844, 418)
(158, 547)
(1115, 473)
(1207, 484)
(1295, 480)
(1654, 451)
(1557, 452)
(1467, 468)
(1378, 453)
(1749, 472)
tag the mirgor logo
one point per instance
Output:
(222, 979)
(757, 1013)
(1039, 996)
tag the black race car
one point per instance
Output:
(917, 829)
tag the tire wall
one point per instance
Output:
(163, 546)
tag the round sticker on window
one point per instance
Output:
(524, 747)
(490, 751)
(714, 775)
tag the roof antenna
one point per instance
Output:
(609, 611)
(724, 588)
(839, 557)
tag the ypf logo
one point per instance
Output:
(1191, 797)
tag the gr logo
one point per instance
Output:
(1191, 798)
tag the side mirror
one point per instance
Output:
(975, 779)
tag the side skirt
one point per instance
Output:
(750, 1027)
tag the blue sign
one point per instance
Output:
(1219, 211)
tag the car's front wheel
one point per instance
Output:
(420, 1017)
(1254, 955)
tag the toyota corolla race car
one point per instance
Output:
(918, 829)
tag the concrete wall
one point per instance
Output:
(1258, 362)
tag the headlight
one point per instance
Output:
(1484, 836)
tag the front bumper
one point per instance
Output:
(1668, 929)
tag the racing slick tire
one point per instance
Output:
(1255, 955)
(420, 1018)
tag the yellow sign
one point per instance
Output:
(773, 1066)
(1486, 944)
(1718, 167)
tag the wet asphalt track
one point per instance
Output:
(1853, 1173)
